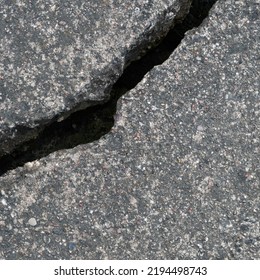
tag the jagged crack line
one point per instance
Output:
(92, 123)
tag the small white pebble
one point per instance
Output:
(2, 192)
(32, 222)
(29, 165)
(60, 119)
(32, 165)
(3, 201)
(200, 128)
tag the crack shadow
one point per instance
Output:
(92, 123)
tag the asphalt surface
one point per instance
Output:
(59, 57)
(178, 175)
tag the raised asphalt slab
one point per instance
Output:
(178, 175)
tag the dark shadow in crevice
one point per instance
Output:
(92, 123)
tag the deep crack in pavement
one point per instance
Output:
(92, 123)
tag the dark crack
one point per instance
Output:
(92, 123)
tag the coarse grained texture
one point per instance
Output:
(61, 56)
(178, 176)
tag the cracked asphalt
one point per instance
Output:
(178, 175)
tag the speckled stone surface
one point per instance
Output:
(178, 176)
(58, 56)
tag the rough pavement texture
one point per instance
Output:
(178, 176)
(59, 56)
